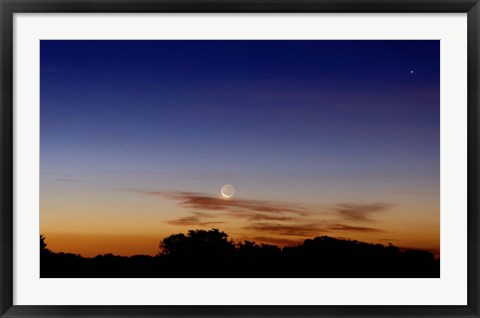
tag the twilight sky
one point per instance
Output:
(337, 138)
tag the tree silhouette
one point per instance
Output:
(211, 243)
(43, 246)
(210, 253)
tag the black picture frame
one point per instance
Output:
(10, 7)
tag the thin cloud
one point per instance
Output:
(193, 220)
(360, 212)
(271, 217)
(199, 201)
(350, 228)
(308, 229)
(255, 216)
(196, 219)
(418, 192)
(68, 180)
(305, 230)
(274, 241)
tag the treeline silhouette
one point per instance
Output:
(210, 254)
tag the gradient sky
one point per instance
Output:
(337, 138)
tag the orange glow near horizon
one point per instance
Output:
(129, 245)
(102, 228)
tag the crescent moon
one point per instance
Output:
(228, 191)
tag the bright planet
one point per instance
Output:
(228, 191)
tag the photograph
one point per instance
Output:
(239, 158)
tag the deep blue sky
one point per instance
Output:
(299, 120)
(233, 105)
